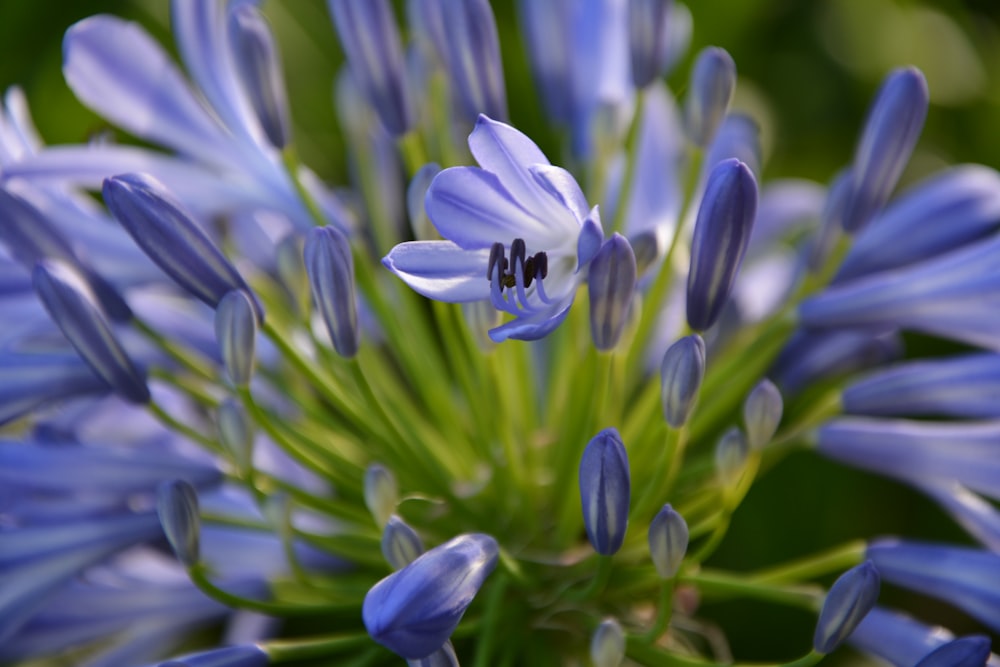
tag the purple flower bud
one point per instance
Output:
(849, 600)
(611, 284)
(236, 433)
(172, 239)
(400, 544)
(649, 31)
(259, 69)
(370, 40)
(177, 508)
(668, 541)
(721, 233)
(971, 651)
(605, 488)
(414, 611)
(730, 456)
(712, 84)
(331, 277)
(236, 331)
(681, 373)
(894, 122)
(381, 492)
(246, 655)
(762, 413)
(74, 308)
(471, 52)
(31, 237)
(607, 645)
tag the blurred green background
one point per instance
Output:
(808, 70)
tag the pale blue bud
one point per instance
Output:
(762, 411)
(849, 600)
(75, 309)
(712, 84)
(177, 508)
(331, 277)
(730, 456)
(605, 489)
(381, 492)
(668, 541)
(236, 332)
(649, 30)
(400, 544)
(611, 284)
(681, 373)
(607, 645)
(259, 69)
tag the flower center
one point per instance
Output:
(536, 266)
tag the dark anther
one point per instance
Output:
(529, 271)
(541, 264)
(536, 266)
(496, 255)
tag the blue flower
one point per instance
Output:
(605, 491)
(414, 611)
(849, 600)
(518, 233)
(896, 638)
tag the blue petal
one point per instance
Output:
(533, 327)
(441, 270)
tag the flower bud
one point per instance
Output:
(971, 651)
(762, 413)
(331, 277)
(605, 487)
(236, 433)
(607, 645)
(381, 492)
(172, 239)
(370, 40)
(414, 611)
(721, 233)
(894, 122)
(236, 331)
(177, 508)
(74, 308)
(681, 373)
(712, 84)
(611, 283)
(471, 52)
(259, 70)
(850, 598)
(400, 544)
(668, 541)
(648, 31)
(730, 456)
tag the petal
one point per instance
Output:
(560, 184)
(116, 69)
(441, 270)
(471, 208)
(534, 327)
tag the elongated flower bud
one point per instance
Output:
(259, 69)
(762, 413)
(894, 122)
(668, 541)
(331, 277)
(236, 432)
(443, 657)
(605, 488)
(721, 233)
(712, 84)
(400, 544)
(471, 52)
(971, 651)
(74, 308)
(648, 30)
(611, 284)
(177, 507)
(236, 331)
(381, 492)
(172, 239)
(849, 600)
(681, 373)
(414, 611)
(370, 40)
(607, 645)
(730, 456)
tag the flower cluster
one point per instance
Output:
(502, 414)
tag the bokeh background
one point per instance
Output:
(808, 69)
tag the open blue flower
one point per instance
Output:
(518, 233)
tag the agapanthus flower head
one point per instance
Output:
(605, 491)
(414, 610)
(518, 232)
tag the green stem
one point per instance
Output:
(835, 560)
(485, 640)
(199, 577)
(713, 583)
(295, 650)
(663, 612)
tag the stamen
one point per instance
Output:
(536, 266)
